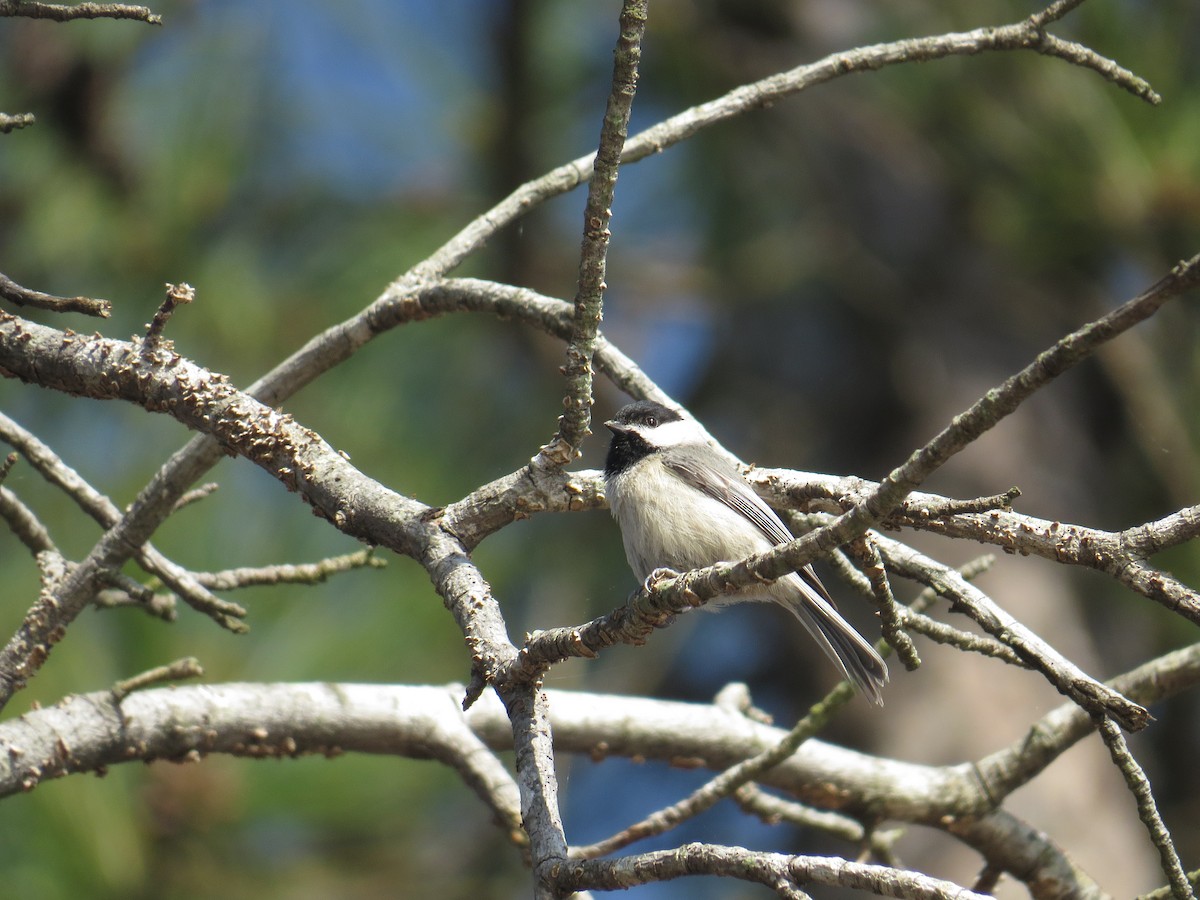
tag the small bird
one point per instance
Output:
(681, 505)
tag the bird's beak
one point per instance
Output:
(616, 427)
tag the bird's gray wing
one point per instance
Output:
(732, 489)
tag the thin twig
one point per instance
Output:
(1165, 893)
(573, 425)
(1139, 786)
(727, 782)
(1066, 677)
(1079, 55)
(24, 523)
(51, 467)
(891, 618)
(181, 669)
(723, 785)
(1121, 555)
(962, 640)
(1054, 12)
(772, 810)
(753, 866)
(32, 9)
(1023, 35)
(195, 495)
(22, 296)
(303, 573)
(130, 593)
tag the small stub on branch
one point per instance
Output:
(188, 667)
(177, 295)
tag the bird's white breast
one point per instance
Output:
(665, 522)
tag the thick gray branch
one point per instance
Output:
(87, 732)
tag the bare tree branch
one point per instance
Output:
(670, 596)
(290, 719)
(83, 733)
(1066, 677)
(1006, 770)
(1139, 786)
(1028, 34)
(104, 511)
(148, 373)
(24, 523)
(20, 296)
(573, 424)
(303, 573)
(32, 9)
(762, 868)
(1120, 554)
(966, 427)
(92, 731)
(1029, 854)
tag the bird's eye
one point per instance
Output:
(652, 421)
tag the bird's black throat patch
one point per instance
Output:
(626, 449)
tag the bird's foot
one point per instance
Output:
(657, 576)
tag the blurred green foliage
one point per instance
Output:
(870, 255)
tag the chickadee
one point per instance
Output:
(680, 505)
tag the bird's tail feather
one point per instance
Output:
(846, 647)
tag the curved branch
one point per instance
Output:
(1028, 34)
